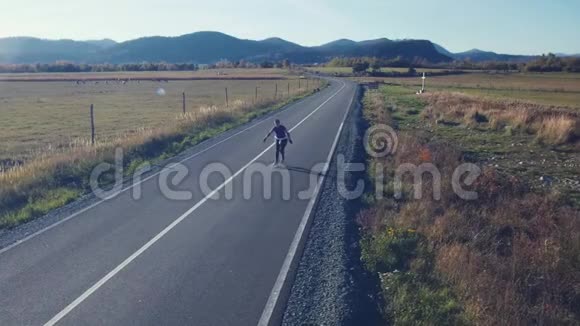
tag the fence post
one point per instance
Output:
(227, 101)
(256, 96)
(306, 84)
(288, 89)
(183, 104)
(299, 83)
(92, 125)
(276, 92)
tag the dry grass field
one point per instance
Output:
(229, 73)
(37, 116)
(348, 70)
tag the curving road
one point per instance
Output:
(198, 261)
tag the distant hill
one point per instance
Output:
(565, 55)
(477, 55)
(104, 43)
(381, 48)
(33, 50)
(338, 44)
(443, 50)
(206, 47)
(201, 47)
(282, 44)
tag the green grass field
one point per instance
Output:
(559, 89)
(37, 115)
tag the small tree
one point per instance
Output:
(266, 64)
(376, 66)
(286, 63)
(360, 67)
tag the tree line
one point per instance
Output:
(545, 63)
(248, 64)
(551, 62)
(377, 63)
(63, 66)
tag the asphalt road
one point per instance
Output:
(195, 261)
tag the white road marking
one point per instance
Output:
(132, 185)
(300, 233)
(160, 235)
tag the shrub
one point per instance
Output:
(413, 300)
(389, 250)
(558, 130)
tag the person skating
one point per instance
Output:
(282, 137)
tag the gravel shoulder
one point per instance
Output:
(331, 286)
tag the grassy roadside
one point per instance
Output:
(510, 257)
(536, 143)
(44, 184)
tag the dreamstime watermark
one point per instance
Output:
(380, 141)
(218, 181)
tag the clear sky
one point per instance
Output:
(506, 26)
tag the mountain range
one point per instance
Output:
(210, 47)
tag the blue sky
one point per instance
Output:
(507, 26)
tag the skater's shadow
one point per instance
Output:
(303, 170)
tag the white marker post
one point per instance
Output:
(423, 86)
